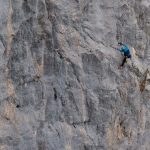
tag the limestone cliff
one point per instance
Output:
(60, 86)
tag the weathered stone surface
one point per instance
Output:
(60, 85)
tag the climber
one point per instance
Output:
(126, 52)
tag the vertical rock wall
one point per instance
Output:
(60, 87)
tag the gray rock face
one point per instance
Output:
(60, 85)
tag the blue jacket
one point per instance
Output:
(125, 49)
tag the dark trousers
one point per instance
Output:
(124, 60)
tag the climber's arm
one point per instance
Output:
(121, 50)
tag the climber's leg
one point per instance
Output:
(123, 62)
